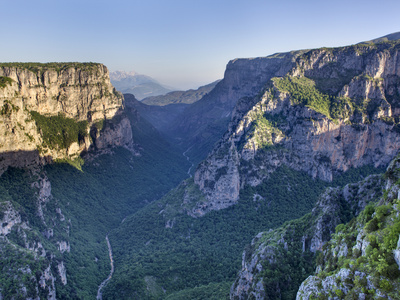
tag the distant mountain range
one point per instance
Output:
(141, 86)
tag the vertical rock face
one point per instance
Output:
(62, 273)
(332, 110)
(246, 77)
(220, 181)
(80, 91)
(208, 117)
(34, 95)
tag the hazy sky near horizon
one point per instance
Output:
(183, 43)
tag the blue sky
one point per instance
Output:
(183, 43)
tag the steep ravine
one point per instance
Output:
(301, 120)
(52, 113)
(70, 172)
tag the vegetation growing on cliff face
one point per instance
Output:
(284, 253)
(263, 130)
(283, 275)
(14, 271)
(59, 131)
(40, 68)
(19, 266)
(4, 81)
(303, 91)
(93, 200)
(8, 108)
(373, 273)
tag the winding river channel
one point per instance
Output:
(187, 157)
(104, 283)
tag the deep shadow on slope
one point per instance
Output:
(180, 97)
(159, 116)
(111, 187)
(112, 184)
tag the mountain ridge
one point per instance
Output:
(389, 37)
(184, 97)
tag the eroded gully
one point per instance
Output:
(188, 159)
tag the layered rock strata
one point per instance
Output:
(33, 92)
(333, 110)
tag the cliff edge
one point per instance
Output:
(57, 111)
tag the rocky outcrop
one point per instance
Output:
(28, 238)
(10, 217)
(335, 109)
(396, 253)
(62, 272)
(220, 182)
(32, 93)
(115, 133)
(299, 237)
(359, 260)
(47, 281)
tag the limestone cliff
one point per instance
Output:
(204, 122)
(332, 110)
(56, 111)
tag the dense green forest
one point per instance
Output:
(157, 256)
(108, 189)
(94, 198)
